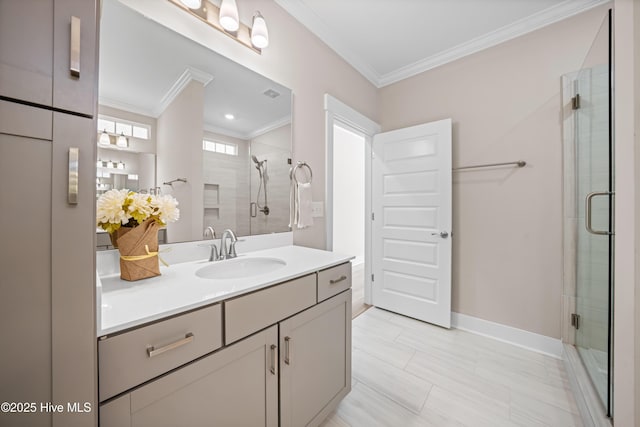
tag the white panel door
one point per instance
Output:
(411, 186)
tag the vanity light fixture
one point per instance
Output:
(192, 4)
(259, 32)
(122, 141)
(229, 19)
(104, 138)
(226, 20)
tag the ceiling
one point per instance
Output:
(390, 40)
(144, 65)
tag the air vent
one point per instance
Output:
(271, 93)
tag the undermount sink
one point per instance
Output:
(238, 268)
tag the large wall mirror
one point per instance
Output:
(177, 118)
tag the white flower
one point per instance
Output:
(166, 208)
(139, 206)
(110, 210)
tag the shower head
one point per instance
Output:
(255, 159)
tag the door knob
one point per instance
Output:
(442, 234)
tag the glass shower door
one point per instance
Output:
(594, 189)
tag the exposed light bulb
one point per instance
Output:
(192, 4)
(104, 138)
(259, 32)
(229, 19)
(122, 141)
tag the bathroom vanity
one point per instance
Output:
(189, 348)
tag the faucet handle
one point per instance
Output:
(214, 253)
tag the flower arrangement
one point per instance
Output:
(132, 220)
(124, 208)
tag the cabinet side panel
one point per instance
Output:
(25, 287)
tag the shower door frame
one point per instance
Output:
(573, 299)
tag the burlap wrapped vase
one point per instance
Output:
(139, 252)
(118, 234)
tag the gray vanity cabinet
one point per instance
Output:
(47, 260)
(286, 361)
(30, 70)
(236, 386)
(315, 361)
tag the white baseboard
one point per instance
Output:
(518, 337)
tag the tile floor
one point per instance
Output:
(409, 373)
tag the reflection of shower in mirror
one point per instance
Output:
(261, 166)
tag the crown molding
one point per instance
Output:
(190, 74)
(208, 127)
(114, 103)
(271, 126)
(519, 28)
(551, 15)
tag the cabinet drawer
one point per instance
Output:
(334, 280)
(250, 313)
(134, 357)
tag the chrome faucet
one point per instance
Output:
(230, 252)
(214, 249)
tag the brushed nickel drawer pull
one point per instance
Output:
(74, 49)
(338, 280)
(72, 190)
(152, 351)
(273, 359)
(287, 346)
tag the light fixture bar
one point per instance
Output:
(209, 13)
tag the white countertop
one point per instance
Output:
(127, 304)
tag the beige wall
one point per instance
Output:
(296, 59)
(507, 223)
(627, 160)
(179, 155)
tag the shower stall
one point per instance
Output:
(589, 192)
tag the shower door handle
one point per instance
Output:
(253, 209)
(587, 212)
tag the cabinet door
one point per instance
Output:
(72, 230)
(236, 386)
(75, 91)
(315, 361)
(25, 286)
(26, 55)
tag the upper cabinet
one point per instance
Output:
(26, 57)
(75, 57)
(30, 70)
